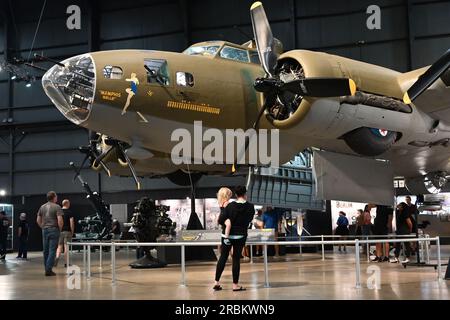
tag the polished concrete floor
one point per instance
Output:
(291, 277)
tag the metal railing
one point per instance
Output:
(366, 237)
(357, 243)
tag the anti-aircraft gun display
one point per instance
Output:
(97, 226)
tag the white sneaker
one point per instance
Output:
(393, 260)
(405, 261)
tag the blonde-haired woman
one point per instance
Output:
(223, 198)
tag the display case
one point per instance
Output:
(9, 210)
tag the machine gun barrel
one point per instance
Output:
(98, 204)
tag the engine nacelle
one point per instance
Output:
(298, 64)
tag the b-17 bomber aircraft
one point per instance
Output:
(133, 100)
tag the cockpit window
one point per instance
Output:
(202, 50)
(185, 79)
(254, 58)
(234, 54)
(112, 72)
(157, 71)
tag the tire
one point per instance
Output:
(181, 178)
(370, 142)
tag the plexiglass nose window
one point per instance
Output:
(71, 87)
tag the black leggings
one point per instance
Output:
(237, 245)
(406, 246)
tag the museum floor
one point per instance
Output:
(291, 277)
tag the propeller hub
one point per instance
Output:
(266, 85)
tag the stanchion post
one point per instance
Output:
(183, 266)
(89, 262)
(323, 249)
(367, 249)
(84, 259)
(251, 253)
(100, 256)
(439, 267)
(427, 249)
(110, 252)
(113, 263)
(358, 266)
(69, 248)
(266, 268)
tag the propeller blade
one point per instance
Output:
(321, 87)
(130, 165)
(265, 42)
(235, 166)
(261, 112)
(428, 78)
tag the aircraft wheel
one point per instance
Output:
(181, 178)
(369, 141)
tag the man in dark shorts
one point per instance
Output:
(382, 227)
(67, 232)
(404, 227)
(50, 220)
(413, 215)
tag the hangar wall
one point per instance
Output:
(413, 34)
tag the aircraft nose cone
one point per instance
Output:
(70, 85)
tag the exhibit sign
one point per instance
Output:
(254, 235)
(350, 209)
